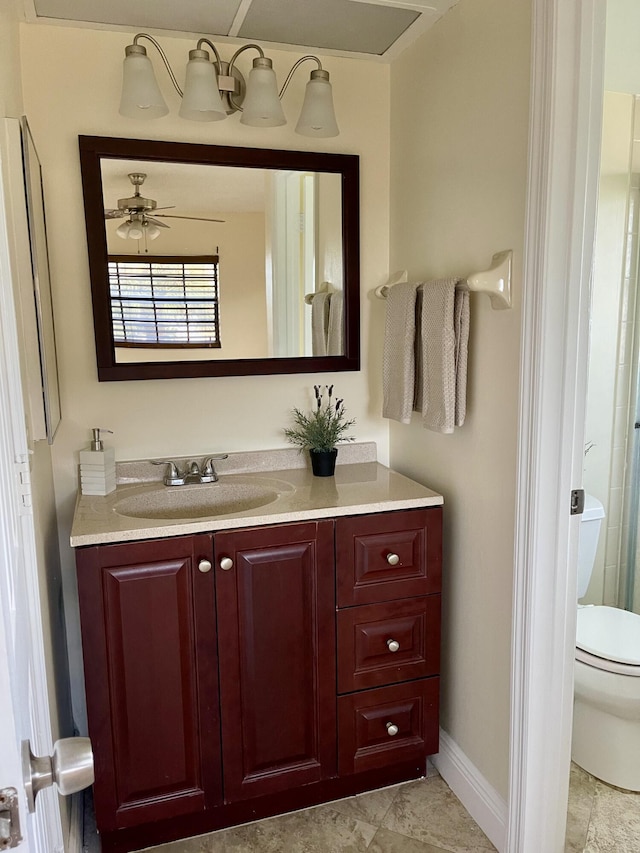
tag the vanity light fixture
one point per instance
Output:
(216, 89)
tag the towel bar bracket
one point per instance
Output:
(495, 282)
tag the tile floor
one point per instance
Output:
(417, 817)
(601, 819)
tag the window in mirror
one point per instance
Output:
(164, 302)
(286, 224)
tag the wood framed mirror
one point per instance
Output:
(208, 260)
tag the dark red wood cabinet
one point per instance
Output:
(228, 679)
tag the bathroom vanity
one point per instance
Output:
(247, 664)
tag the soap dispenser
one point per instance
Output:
(98, 467)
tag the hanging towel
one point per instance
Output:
(319, 323)
(398, 361)
(335, 334)
(442, 345)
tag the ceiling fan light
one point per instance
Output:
(201, 100)
(152, 231)
(317, 117)
(261, 106)
(141, 95)
(123, 230)
(136, 231)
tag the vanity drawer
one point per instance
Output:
(387, 643)
(382, 557)
(388, 725)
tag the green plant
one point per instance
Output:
(324, 427)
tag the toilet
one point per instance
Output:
(606, 713)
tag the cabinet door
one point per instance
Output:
(276, 628)
(149, 644)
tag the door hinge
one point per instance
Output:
(577, 501)
(9, 819)
(23, 476)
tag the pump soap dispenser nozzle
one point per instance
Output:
(97, 443)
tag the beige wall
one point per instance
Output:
(76, 91)
(459, 119)
(10, 87)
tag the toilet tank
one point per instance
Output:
(588, 543)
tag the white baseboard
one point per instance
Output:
(76, 823)
(479, 798)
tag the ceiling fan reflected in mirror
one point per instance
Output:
(136, 209)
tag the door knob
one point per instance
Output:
(204, 566)
(393, 559)
(393, 645)
(392, 729)
(70, 766)
(226, 563)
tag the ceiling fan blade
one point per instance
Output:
(115, 214)
(166, 207)
(157, 222)
(196, 218)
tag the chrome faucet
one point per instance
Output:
(192, 474)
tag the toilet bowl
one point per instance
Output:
(606, 715)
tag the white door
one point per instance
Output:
(24, 703)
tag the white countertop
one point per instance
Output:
(358, 487)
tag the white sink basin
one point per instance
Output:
(197, 500)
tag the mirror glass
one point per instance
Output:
(209, 260)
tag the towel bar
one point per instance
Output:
(495, 282)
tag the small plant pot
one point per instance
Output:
(323, 462)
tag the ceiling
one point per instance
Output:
(370, 29)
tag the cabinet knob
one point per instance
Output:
(204, 566)
(226, 563)
(393, 645)
(393, 559)
(392, 729)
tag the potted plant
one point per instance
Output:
(320, 431)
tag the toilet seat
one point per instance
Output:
(609, 638)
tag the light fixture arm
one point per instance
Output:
(218, 62)
(293, 69)
(163, 56)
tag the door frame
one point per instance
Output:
(567, 83)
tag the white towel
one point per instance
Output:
(335, 334)
(442, 355)
(398, 361)
(319, 323)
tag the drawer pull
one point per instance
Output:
(393, 645)
(226, 563)
(204, 566)
(392, 729)
(393, 559)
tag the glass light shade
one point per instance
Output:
(201, 100)
(318, 117)
(123, 230)
(135, 231)
(152, 231)
(261, 106)
(141, 96)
